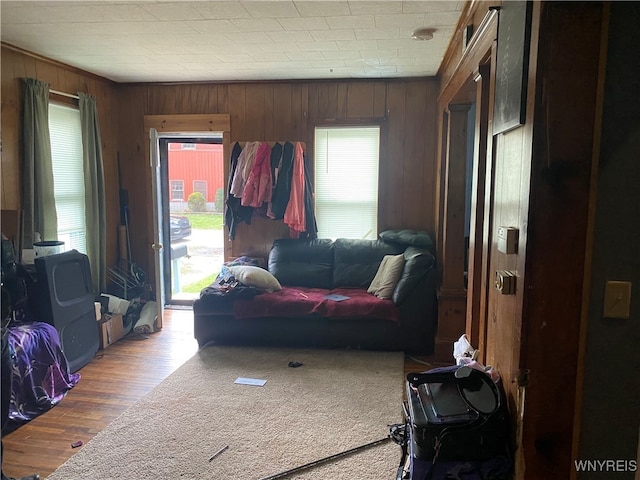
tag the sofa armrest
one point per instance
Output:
(419, 314)
(418, 263)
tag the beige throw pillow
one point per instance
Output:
(256, 277)
(387, 276)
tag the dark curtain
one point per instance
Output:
(94, 191)
(38, 207)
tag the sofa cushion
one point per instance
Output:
(255, 277)
(310, 303)
(418, 262)
(302, 263)
(386, 279)
(356, 261)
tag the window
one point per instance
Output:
(200, 186)
(177, 190)
(68, 175)
(346, 181)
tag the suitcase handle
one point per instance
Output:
(467, 378)
(462, 375)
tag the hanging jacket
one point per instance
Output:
(276, 165)
(235, 213)
(311, 226)
(294, 215)
(282, 191)
(247, 157)
(257, 189)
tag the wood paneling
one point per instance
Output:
(11, 88)
(393, 168)
(561, 176)
(277, 111)
(538, 180)
(281, 111)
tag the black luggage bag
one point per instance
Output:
(456, 426)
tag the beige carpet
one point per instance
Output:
(336, 401)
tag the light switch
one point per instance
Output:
(507, 240)
(617, 299)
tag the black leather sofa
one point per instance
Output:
(328, 264)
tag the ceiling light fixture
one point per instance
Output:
(423, 33)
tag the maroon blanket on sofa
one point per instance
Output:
(300, 301)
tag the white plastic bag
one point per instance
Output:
(465, 354)
(463, 349)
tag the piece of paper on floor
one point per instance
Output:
(250, 381)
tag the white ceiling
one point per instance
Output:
(188, 41)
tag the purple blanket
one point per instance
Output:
(41, 375)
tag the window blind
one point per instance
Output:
(68, 175)
(346, 181)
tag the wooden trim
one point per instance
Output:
(227, 248)
(465, 18)
(489, 181)
(63, 94)
(478, 46)
(188, 123)
(275, 82)
(347, 122)
(66, 66)
(476, 307)
(454, 199)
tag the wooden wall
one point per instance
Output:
(280, 111)
(541, 182)
(267, 111)
(560, 230)
(17, 65)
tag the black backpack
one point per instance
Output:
(454, 415)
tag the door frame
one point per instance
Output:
(163, 186)
(178, 125)
(465, 309)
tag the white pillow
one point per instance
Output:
(387, 276)
(256, 277)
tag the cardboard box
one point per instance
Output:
(111, 329)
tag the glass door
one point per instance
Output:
(192, 192)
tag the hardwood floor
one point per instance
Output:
(114, 380)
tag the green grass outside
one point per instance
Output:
(205, 221)
(200, 284)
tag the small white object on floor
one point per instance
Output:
(250, 381)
